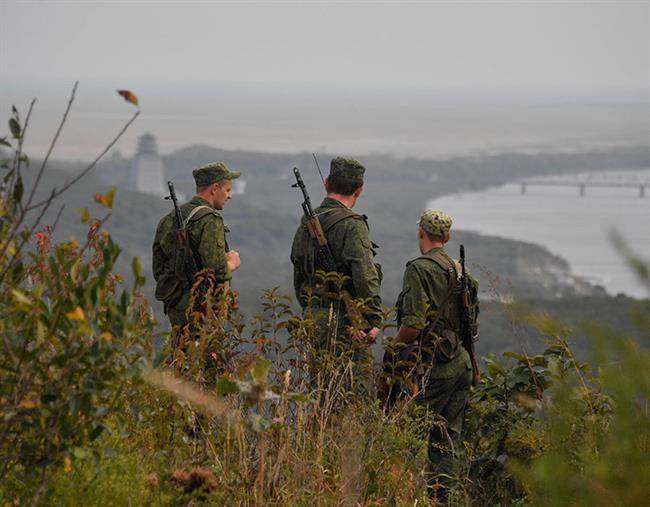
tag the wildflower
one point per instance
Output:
(152, 480)
(196, 478)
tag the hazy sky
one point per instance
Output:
(570, 45)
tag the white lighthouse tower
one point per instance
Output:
(147, 174)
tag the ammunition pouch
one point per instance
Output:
(441, 347)
(380, 272)
(169, 289)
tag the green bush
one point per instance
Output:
(240, 415)
(72, 344)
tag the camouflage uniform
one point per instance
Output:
(431, 282)
(349, 241)
(207, 236)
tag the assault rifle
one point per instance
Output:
(323, 254)
(184, 263)
(466, 332)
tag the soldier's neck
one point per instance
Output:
(205, 196)
(346, 200)
(426, 246)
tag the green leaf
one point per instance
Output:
(80, 453)
(18, 190)
(260, 371)
(41, 332)
(110, 196)
(260, 423)
(494, 368)
(226, 386)
(20, 297)
(74, 269)
(298, 396)
(97, 430)
(136, 266)
(515, 355)
(84, 214)
(24, 158)
(14, 127)
(4, 142)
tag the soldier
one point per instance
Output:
(207, 237)
(349, 241)
(440, 365)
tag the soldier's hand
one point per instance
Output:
(233, 260)
(368, 337)
(372, 335)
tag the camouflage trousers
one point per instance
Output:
(337, 362)
(444, 395)
(178, 318)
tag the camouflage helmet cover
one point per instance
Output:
(348, 168)
(212, 173)
(435, 222)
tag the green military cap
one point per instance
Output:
(212, 173)
(435, 222)
(348, 168)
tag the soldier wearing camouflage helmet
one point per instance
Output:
(207, 237)
(349, 241)
(428, 341)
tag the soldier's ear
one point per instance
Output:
(358, 191)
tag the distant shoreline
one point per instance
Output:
(605, 268)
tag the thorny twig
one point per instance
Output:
(74, 180)
(19, 151)
(64, 118)
(45, 204)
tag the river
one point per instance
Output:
(573, 227)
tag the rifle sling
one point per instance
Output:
(202, 211)
(329, 218)
(443, 306)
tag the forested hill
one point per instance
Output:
(263, 220)
(450, 175)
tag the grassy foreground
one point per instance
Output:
(91, 414)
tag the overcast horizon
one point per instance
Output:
(575, 46)
(409, 78)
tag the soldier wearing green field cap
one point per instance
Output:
(207, 237)
(348, 236)
(432, 361)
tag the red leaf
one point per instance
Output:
(128, 96)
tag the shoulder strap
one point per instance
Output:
(443, 305)
(442, 260)
(199, 212)
(333, 216)
(449, 267)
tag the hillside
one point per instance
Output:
(263, 220)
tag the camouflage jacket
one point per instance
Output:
(424, 289)
(207, 234)
(349, 241)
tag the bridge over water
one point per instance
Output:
(582, 185)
